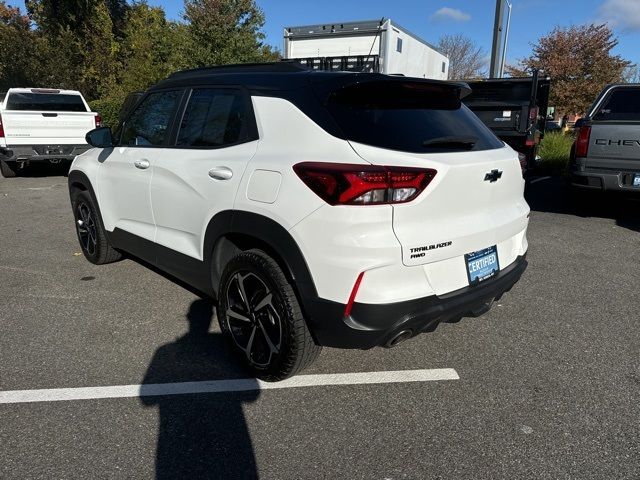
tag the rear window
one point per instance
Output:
(46, 102)
(410, 117)
(621, 104)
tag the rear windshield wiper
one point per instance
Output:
(462, 141)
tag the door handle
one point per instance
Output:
(142, 164)
(221, 173)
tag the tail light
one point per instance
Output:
(582, 141)
(98, 119)
(1, 128)
(344, 184)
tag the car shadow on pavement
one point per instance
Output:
(200, 435)
(45, 169)
(553, 195)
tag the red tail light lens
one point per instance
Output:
(98, 121)
(344, 184)
(582, 141)
(1, 128)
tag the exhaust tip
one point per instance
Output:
(399, 338)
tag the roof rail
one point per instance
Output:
(283, 66)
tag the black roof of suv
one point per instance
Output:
(283, 75)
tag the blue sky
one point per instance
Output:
(431, 18)
(474, 18)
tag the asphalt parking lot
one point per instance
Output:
(549, 379)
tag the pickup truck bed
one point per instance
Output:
(42, 125)
(515, 109)
(606, 153)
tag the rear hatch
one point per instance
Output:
(474, 202)
(46, 117)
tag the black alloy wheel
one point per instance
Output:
(259, 311)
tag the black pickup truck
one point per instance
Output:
(515, 109)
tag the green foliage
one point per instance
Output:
(225, 31)
(151, 48)
(98, 49)
(554, 152)
(108, 48)
(16, 38)
(580, 60)
(108, 108)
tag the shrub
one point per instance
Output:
(554, 152)
(108, 108)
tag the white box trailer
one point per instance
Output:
(370, 46)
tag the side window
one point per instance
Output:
(148, 125)
(214, 117)
(622, 104)
(399, 45)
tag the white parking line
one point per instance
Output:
(220, 386)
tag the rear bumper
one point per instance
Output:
(31, 153)
(602, 179)
(371, 325)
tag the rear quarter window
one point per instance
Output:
(45, 102)
(214, 117)
(621, 104)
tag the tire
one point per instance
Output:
(91, 233)
(264, 324)
(7, 169)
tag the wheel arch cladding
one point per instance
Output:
(229, 232)
(79, 182)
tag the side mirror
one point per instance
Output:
(100, 137)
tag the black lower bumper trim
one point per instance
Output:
(37, 153)
(373, 325)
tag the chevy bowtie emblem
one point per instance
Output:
(493, 176)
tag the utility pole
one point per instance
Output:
(506, 41)
(497, 36)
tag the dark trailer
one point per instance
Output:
(515, 109)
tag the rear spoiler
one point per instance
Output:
(386, 91)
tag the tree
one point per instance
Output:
(580, 63)
(108, 48)
(151, 49)
(225, 31)
(52, 16)
(99, 52)
(16, 39)
(466, 59)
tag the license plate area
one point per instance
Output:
(482, 265)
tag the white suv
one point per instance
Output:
(340, 209)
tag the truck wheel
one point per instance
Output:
(8, 169)
(260, 314)
(91, 234)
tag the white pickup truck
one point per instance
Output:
(42, 124)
